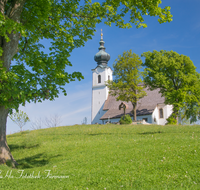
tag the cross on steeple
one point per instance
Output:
(101, 35)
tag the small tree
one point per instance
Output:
(37, 124)
(176, 77)
(20, 118)
(53, 121)
(84, 122)
(126, 85)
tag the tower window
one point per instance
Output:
(99, 78)
(161, 113)
(108, 77)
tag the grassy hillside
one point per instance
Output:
(105, 157)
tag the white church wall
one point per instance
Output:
(167, 110)
(155, 116)
(98, 100)
(104, 72)
(99, 92)
(96, 72)
(109, 74)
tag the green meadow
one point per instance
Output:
(105, 157)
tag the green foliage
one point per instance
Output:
(125, 119)
(127, 84)
(20, 118)
(67, 24)
(171, 120)
(133, 156)
(176, 77)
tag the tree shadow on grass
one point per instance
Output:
(150, 132)
(17, 147)
(94, 134)
(19, 133)
(37, 160)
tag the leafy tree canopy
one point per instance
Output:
(68, 24)
(127, 84)
(176, 77)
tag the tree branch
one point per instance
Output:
(2, 6)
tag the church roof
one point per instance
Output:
(145, 106)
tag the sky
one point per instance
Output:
(181, 35)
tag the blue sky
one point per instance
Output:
(181, 35)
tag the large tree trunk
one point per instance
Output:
(13, 12)
(5, 154)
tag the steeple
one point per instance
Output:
(100, 75)
(102, 57)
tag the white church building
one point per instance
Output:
(105, 108)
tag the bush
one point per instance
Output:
(171, 120)
(125, 119)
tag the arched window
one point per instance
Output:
(108, 77)
(161, 113)
(99, 78)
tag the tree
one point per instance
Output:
(37, 124)
(176, 77)
(127, 84)
(67, 24)
(84, 122)
(20, 118)
(53, 121)
(191, 107)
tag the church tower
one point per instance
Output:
(100, 75)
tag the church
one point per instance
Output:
(105, 108)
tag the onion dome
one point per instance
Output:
(102, 57)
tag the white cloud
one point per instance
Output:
(77, 111)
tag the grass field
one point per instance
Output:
(105, 157)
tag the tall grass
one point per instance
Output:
(105, 157)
